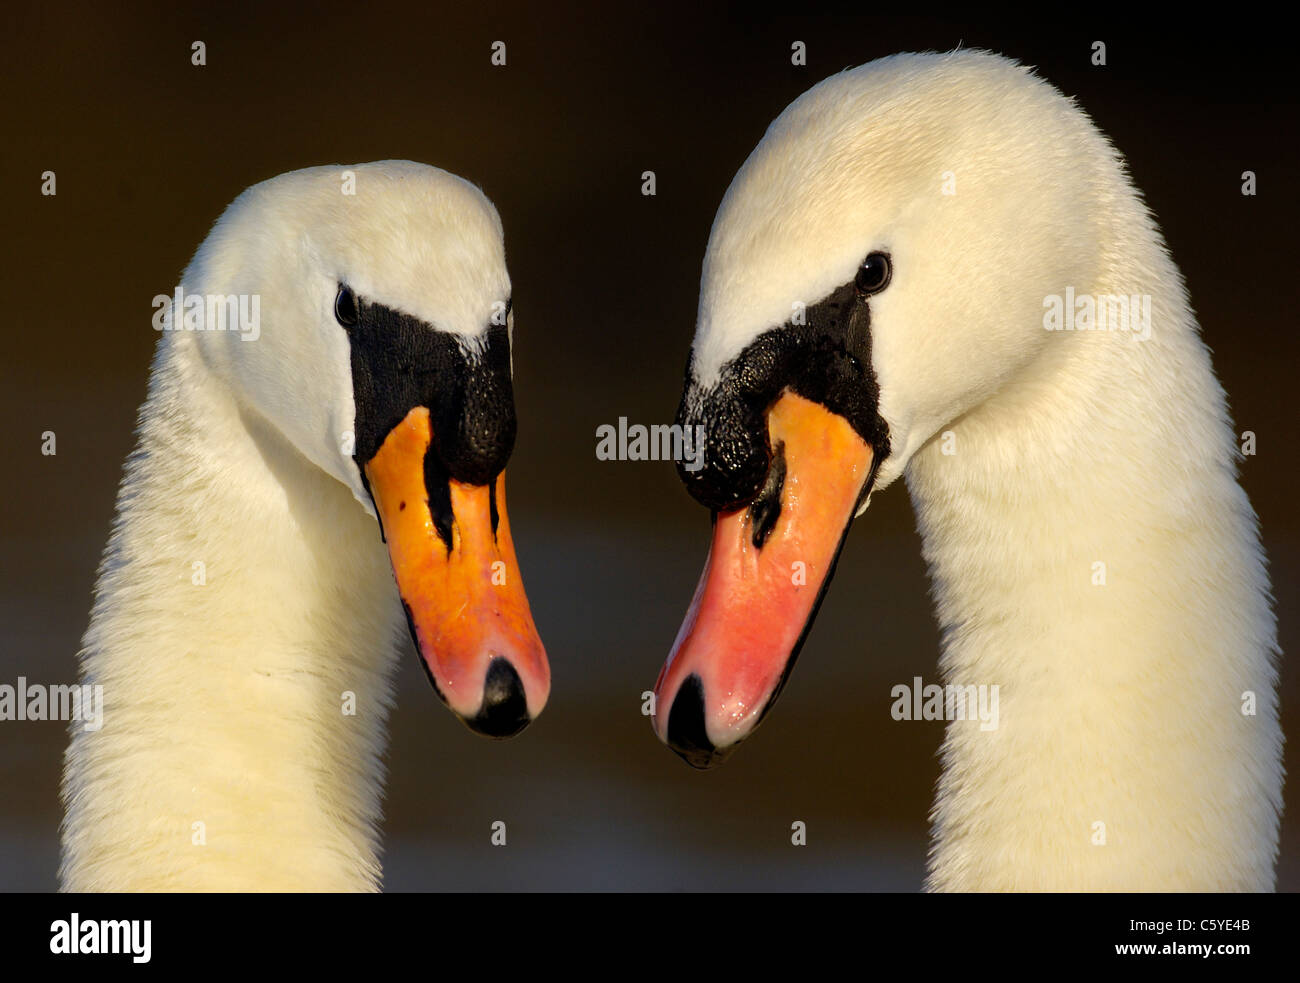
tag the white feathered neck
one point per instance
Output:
(1124, 759)
(226, 762)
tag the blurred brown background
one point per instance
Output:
(148, 150)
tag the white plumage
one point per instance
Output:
(226, 761)
(1121, 705)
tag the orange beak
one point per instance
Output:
(762, 584)
(465, 599)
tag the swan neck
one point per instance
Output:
(242, 632)
(1094, 558)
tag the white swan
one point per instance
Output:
(245, 618)
(873, 302)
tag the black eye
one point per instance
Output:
(873, 274)
(345, 307)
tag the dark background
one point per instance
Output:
(148, 150)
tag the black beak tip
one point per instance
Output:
(687, 735)
(504, 712)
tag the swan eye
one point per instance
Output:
(873, 275)
(345, 307)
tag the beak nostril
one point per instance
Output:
(504, 712)
(766, 508)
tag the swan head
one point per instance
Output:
(876, 270)
(381, 352)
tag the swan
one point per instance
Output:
(245, 619)
(884, 294)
